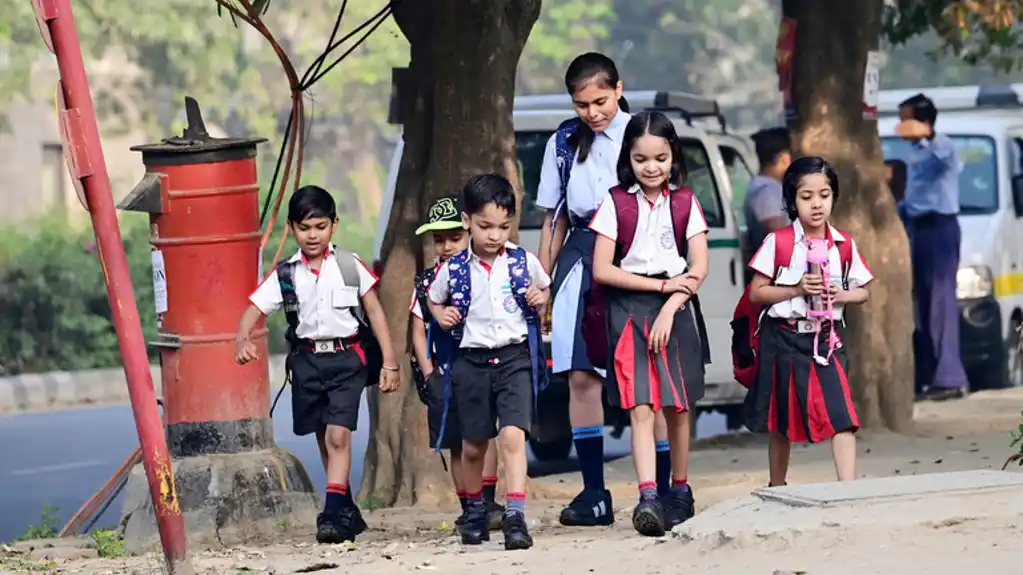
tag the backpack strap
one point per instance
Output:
(460, 290)
(784, 245)
(627, 215)
(564, 148)
(845, 256)
(286, 282)
(681, 204)
(518, 274)
(348, 265)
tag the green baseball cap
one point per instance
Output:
(444, 214)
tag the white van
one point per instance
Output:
(986, 125)
(718, 162)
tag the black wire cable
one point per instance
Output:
(383, 17)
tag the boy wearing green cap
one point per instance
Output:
(431, 346)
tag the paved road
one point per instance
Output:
(61, 458)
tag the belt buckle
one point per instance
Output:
(806, 326)
(323, 346)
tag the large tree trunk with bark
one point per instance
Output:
(832, 41)
(464, 56)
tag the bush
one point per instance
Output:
(56, 315)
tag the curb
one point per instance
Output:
(62, 389)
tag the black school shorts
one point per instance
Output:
(492, 385)
(326, 389)
(435, 412)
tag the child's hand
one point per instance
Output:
(536, 298)
(449, 318)
(661, 329)
(245, 351)
(689, 284)
(811, 284)
(836, 295)
(388, 380)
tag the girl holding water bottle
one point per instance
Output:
(801, 392)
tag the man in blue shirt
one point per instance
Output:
(931, 208)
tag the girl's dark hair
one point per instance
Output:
(799, 169)
(486, 189)
(311, 202)
(655, 124)
(585, 68)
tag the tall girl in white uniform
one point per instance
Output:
(654, 347)
(797, 397)
(571, 186)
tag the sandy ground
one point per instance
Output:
(961, 435)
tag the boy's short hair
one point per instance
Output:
(771, 143)
(486, 189)
(922, 107)
(444, 214)
(311, 202)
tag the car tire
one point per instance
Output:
(557, 450)
(1014, 355)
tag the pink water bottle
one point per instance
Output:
(817, 263)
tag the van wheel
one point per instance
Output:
(1014, 354)
(556, 450)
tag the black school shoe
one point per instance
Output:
(495, 516)
(648, 517)
(678, 505)
(516, 534)
(590, 508)
(332, 529)
(476, 529)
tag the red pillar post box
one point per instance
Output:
(202, 195)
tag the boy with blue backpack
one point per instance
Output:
(488, 297)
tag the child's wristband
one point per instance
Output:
(394, 369)
(664, 283)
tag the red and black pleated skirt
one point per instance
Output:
(793, 394)
(672, 378)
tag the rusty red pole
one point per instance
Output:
(85, 155)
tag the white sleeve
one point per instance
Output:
(415, 308)
(537, 276)
(267, 297)
(548, 192)
(763, 260)
(605, 219)
(439, 292)
(367, 279)
(697, 223)
(859, 274)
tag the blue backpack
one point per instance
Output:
(460, 288)
(564, 149)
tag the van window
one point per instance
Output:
(529, 147)
(740, 176)
(701, 180)
(978, 176)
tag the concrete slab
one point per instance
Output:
(895, 502)
(889, 488)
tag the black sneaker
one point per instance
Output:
(589, 509)
(351, 516)
(495, 516)
(332, 529)
(516, 534)
(678, 505)
(476, 529)
(648, 517)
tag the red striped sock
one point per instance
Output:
(647, 488)
(489, 489)
(335, 498)
(516, 501)
(679, 482)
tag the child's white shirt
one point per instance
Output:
(494, 319)
(653, 251)
(324, 301)
(795, 308)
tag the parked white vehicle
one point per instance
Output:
(986, 125)
(718, 162)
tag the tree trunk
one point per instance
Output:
(464, 56)
(832, 41)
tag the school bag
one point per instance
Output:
(350, 274)
(748, 315)
(460, 288)
(438, 343)
(594, 324)
(564, 151)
